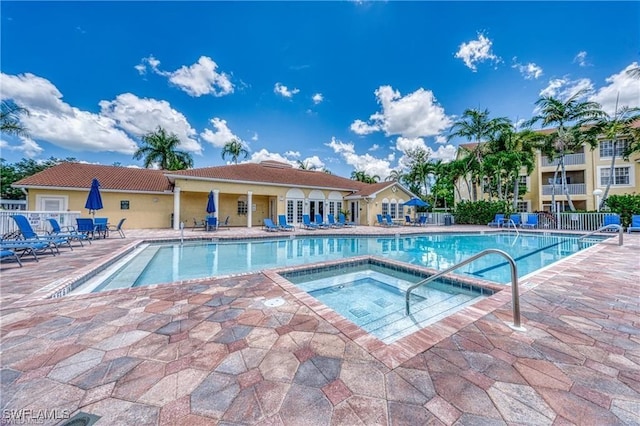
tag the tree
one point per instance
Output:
(571, 119)
(234, 148)
(160, 148)
(11, 173)
(10, 119)
(362, 176)
(420, 168)
(395, 175)
(618, 128)
(475, 125)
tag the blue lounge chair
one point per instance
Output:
(306, 222)
(85, 226)
(212, 223)
(282, 223)
(532, 221)
(29, 234)
(320, 222)
(343, 220)
(390, 221)
(67, 232)
(10, 254)
(331, 220)
(497, 220)
(269, 225)
(408, 220)
(513, 221)
(422, 220)
(611, 219)
(101, 225)
(380, 220)
(27, 247)
(635, 224)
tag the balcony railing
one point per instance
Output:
(570, 221)
(569, 160)
(574, 189)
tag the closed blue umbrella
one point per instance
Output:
(211, 204)
(94, 200)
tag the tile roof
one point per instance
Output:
(79, 175)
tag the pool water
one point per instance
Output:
(173, 262)
(372, 296)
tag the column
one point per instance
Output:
(176, 208)
(216, 200)
(249, 208)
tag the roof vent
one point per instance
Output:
(276, 164)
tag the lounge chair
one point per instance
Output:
(27, 247)
(269, 225)
(532, 221)
(513, 221)
(118, 227)
(29, 234)
(212, 223)
(198, 224)
(306, 222)
(498, 220)
(408, 221)
(10, 254)
(422, 220)
(331, 220)
(85, 226)
(225, 224)
(611, 219)
(101, 226)
(635, 224)
(282, 223)
(67, 232)
(381, 221)
(390, 221)
(320, 222)
(343, 220)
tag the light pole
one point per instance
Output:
(597, 193)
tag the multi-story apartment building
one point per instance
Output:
(587, 172)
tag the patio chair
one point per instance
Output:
(269, 225)
(67, 232)
(320, 222)
(27, 247)
(390, 221)
(532, 221)
(422, 220)
(498, 219)
(408, 221)
(381, 221)
(101, 226)
(635, 224)
(282, 223)
(307, 224)
(343, 220)
(199, 224)
(118, 227)
(611, 219)
(331, 220)
(85, 226)
(513, 221)
(29, 234)
(10, 254)
(225, 224)
(212, 223)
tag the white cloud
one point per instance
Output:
(283, 90)
(57, 122)
(445, 153)
(317, 98)
(528, 71)
(139, 116)
(255, 136)
(201, 78)
(27, 146)
(581, 59)
(314, 162)
(476, 51)
(221, 135)
(621, 87)
(367, 163)
(141, 68)
(564, 88)
(416, 114)
(441, 139)
(409, 144)
(263, 154)
(294, 154)
(374, 147)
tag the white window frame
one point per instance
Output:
(613, 184)
(41, 200)
(608, 146)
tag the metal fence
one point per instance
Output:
(569, 221)
(38, 220)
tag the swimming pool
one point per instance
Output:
(172, 262)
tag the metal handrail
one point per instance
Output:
(514, 283)
(602, 228)
(514, 226)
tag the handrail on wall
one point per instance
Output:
(515, 300)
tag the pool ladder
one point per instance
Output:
(602, 228)
(515, 300)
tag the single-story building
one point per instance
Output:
(245, 193)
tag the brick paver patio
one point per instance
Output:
(211, 352)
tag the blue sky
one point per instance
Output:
(340, 85)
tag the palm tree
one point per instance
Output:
(395, 175)
(10, 119)
(615, 129)
(235, 149)
(420, 168)
(569, 119)
(362, 176)
(160, 148)
(475, 125)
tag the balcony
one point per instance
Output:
(569, 160)
(574, 189)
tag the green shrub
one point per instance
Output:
(479, 212)
(625, 205)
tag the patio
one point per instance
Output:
(211, 352)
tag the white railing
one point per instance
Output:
(437, 218)
(574, 189)
(570, 221)
(569, 160)
(37, 219)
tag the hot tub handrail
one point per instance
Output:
(514, 282)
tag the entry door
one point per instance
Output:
(272, 209)
(355, 212)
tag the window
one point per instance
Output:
(290, 212)
(606, 148)
(621, 176)
(299, 210)
(522, 184)
(393, 210)
(242, 207)
(385, 208)
(124, 204)
(522, 206)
